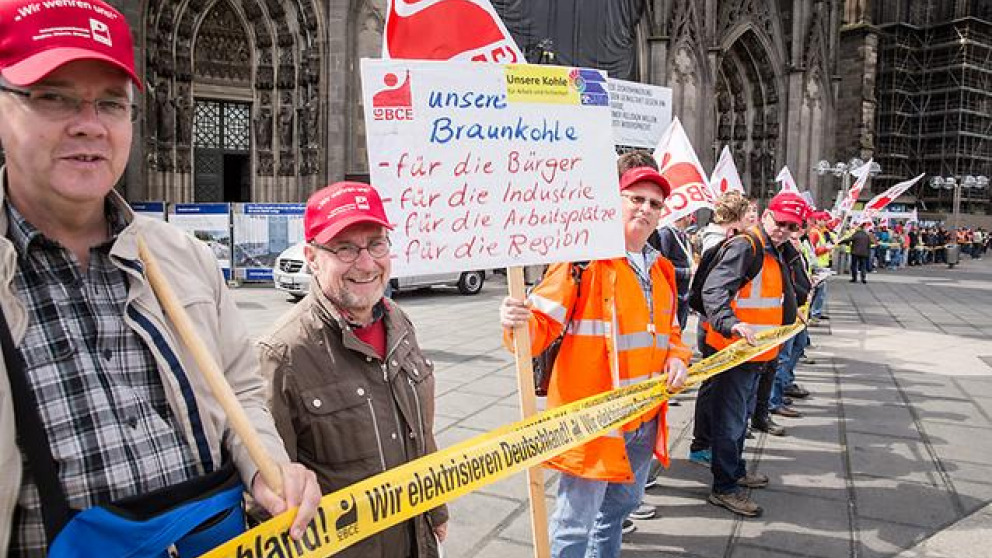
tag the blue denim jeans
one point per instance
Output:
(589, 514)
(819, 300)
(785, 372)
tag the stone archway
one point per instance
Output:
(282, 42)
(221, 119)
(748, 112)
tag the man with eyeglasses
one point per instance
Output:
(737, 308)
(108, 404)
(352, 393)
(620, 328)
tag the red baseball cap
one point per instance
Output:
(37, 37)
(333, 208)
(788, 207)
(639, 174)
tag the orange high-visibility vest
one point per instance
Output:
(611, 342)
(758, 302)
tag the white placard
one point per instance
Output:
(641, 112)
(482, 165)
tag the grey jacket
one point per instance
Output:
(728, 274)
(192, 270)
(348, 415)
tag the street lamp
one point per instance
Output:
(843, 171)
(967, 182)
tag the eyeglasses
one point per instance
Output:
(638, 201)
(788, 225)
(59, 105)
(349, 253)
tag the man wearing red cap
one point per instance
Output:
(108, 404)
(619, 322)
(352, 393)
(739, 308)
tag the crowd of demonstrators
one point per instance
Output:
(602, 481)
(346, 352)
(100, 403)
(905, 245)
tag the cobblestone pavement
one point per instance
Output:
(894, 447)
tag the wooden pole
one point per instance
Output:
(528, 407)
(211, 371)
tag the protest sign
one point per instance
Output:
(210, 223)
(860, 215)
(679, 164)
(641, 112)
(482, 165)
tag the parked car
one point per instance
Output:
(291, 275)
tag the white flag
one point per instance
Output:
(861, 173)
(680, 165)
(879, 202)
(788, 183)
(725, 176)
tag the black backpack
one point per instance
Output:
(545, 361)
(710, 258)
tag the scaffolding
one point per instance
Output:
(935, 103)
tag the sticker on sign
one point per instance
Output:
(485, 165)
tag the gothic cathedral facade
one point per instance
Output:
(260, 100)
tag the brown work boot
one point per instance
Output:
(768, 426)
(737, 502)
(753, 480)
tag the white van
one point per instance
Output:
(292, 276)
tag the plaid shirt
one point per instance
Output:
(100, 396)
(649, 255)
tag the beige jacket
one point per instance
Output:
(193, 272)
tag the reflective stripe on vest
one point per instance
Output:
(641, 340)
(625, 342)
(754, 299)
(549, 307)
(589, 328)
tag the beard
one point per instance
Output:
(353, 302)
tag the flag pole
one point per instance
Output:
(528, 407)
(211, 371)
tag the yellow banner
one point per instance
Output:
(377, 503)
(528, 83)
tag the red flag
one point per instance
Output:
(446, 30)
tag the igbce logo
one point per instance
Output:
(446, 30)
(394, 102)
